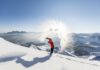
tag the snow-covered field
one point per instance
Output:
(15, 57)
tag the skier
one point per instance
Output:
(51, 45)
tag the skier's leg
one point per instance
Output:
(51, 51)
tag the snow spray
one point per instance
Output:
(52, 28)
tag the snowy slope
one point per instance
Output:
(10, 50)
(28, 59)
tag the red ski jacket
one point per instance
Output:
(50, 42)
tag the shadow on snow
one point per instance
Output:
(35, 61)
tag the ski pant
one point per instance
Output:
(51, 51)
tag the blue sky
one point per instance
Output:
(82, 16)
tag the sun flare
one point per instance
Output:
(53, 28)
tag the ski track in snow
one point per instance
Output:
(78, 61)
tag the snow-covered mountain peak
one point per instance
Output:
(20, 58)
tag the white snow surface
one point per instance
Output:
(15, 57)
